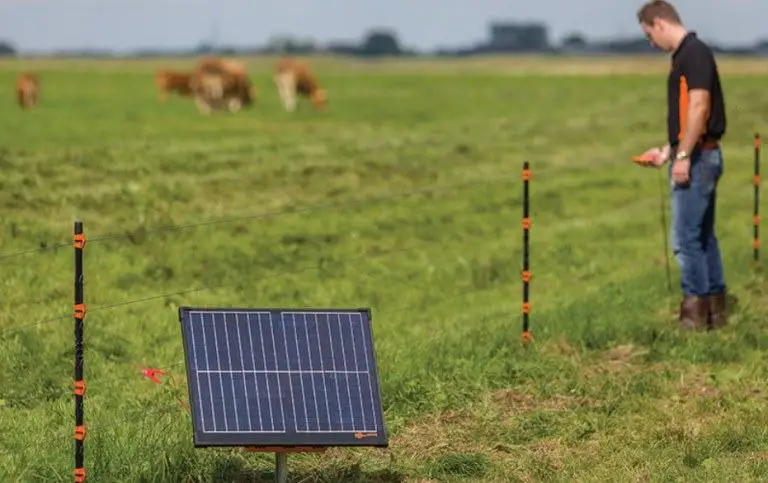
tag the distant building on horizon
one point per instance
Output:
(518, 37)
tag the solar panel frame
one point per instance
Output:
(286, 438)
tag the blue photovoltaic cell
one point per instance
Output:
(277, 377)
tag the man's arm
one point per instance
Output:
(699, 70)
(696, 124)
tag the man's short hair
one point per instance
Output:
(657, 9)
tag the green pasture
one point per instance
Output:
(405, 196)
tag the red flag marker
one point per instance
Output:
(152, 374)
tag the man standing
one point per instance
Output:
(696, 123)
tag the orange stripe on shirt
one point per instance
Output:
(683, 106)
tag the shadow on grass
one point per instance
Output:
(732, 304)
(236, 471)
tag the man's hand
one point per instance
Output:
(681, 171)
(655, 156)
(665, 152)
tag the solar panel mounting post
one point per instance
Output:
(281, 457)
(281, 467)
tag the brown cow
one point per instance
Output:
(27, 90)
(168, 82)
(218, 65)
(294, 77)
(221, 84)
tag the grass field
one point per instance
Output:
(610, 390)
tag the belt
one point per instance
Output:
(706, 144)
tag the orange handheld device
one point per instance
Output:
(643, 160)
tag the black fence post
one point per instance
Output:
(526, 275)
(756, 210)
(79, 381)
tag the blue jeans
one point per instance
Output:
(694, 243)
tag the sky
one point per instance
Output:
(126, 25)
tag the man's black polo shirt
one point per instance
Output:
(694, 67)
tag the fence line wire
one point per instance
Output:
(41, 249)
(304, 209)
(41, 301)
(299, 270)
(458, 292)
(48, 247)
(375, 253)
(181, 377)
(497, 178)
(366, 255)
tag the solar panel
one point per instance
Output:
(280, 377)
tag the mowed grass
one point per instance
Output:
(404, 196)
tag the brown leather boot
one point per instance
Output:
(718, 315)
(694, 313)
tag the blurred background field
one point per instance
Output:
(532, 64)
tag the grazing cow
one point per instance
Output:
(168, 82)
(27, 90)
(294, 77)
(217, 64)
(221, 84)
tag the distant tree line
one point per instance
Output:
(504, 37)
(7, 49)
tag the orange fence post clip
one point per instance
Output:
(79, 388)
